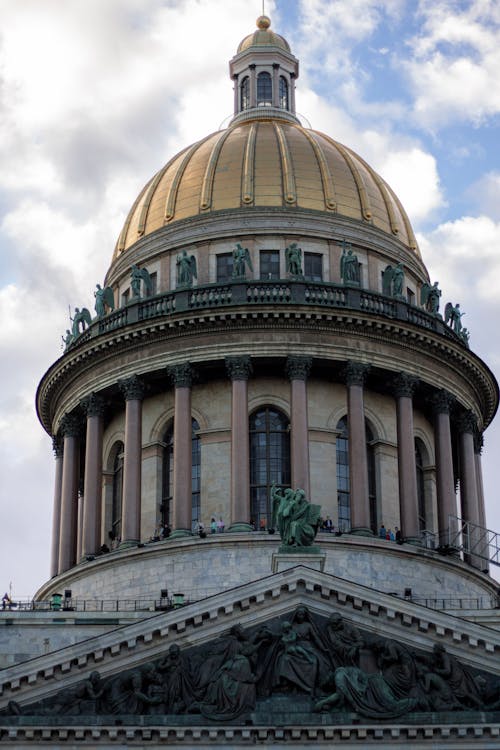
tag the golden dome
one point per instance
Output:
(266, 163)
(263, 37)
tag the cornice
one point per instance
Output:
(382, 332)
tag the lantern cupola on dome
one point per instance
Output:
(264, 73)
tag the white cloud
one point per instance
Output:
(454, 63)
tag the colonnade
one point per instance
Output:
(239, 369)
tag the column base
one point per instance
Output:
(127, 543)
(362, 531)
(240, 526)
(415, 540)
(179, 533)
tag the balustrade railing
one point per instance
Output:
(254, 293)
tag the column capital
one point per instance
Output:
(404, 384)
(182, 376)
(467, 422)
(93, 405)
(478, 442)
(442, 402)
(298, 367)
(355, 372)
(57, 446)
(239, 368)
(132, 388)
(71, 425)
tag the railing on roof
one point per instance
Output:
(473, 540)
(281, 292)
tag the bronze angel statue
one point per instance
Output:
(186, 269)
(429, 297)
(453, 317)
(136, 276)
(241, 259)
(81, 318)
(104, 300)
(293, 257)
(296, 519)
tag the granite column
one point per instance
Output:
(239, 370)
(133, 391)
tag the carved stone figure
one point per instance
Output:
(453, 317)
(344, 641)
(81, 318)
(186, 269)
(138, 275)
(241, 259)
(461, 683)
(293, 257)
(349, 265)
(296, 520)
(179, 689)
(429, 297)
(232, 690)
(369, 695)
(299, 655)
(393, 281)
(104, 300)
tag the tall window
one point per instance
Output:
(343, 484)
(168, 475)
(224, 266)
(116, 507)
(313, 266)
(269, 461)
(419, 465)
(283, 93)
(245, 94)
(269, 264)
(264, 90)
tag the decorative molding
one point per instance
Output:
(182, 375)
(355, 373)
(239, 368)
(132, 388)
(404, 385)
(298, 367)
(93, 405)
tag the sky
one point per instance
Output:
(96, 95)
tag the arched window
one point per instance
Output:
(419, 465)
(269, 461)
(264, 90)
(245, 94)
(168, 475)
(284, 93)
(116, 505)
(343, 484)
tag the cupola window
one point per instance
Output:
(168, 475)
(116, 508)
(283, 93)
(245, 94)
(343, 481)
(264, 90)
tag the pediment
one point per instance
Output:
(238, 643)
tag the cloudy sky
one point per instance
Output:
(96, 95)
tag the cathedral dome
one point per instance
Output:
(266, 162)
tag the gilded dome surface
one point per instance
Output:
(263, 37)
(266, 163)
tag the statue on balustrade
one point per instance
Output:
(67, 340)
(140, 276)
(293, 257)
(104, 300)
(295, 518)
(453, 317)
(81, 318)
(241, 259)
(429, 297)
(349, 265)
(186, 269)
(393, 281)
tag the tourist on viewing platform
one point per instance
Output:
(213, 525)
(382, 532)
(220, 526)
